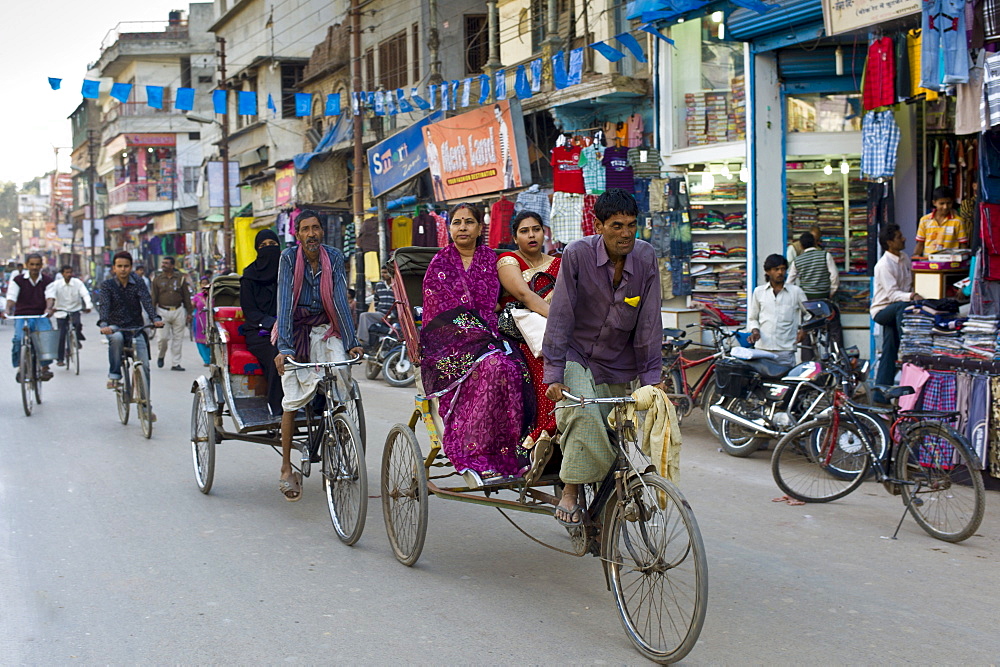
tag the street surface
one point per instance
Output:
(109, 554)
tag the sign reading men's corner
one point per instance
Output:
(846, 15)
(478, 152)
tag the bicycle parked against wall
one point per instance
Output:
(932, 466)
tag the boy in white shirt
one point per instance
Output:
(775, 312)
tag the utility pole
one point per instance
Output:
(91, 196)
(358, 179)
(383, 245)
(227, 221)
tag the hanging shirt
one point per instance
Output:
(969, 96)
(880, 75)
(567, 216)
(645, 162)
(425, 230)
(879, 141)
(913, 46)
(442, 229)
(402, 231)
(501, 213)
(567, 175)
(618, 173)
(594, 181)
(533, 200)
(634, 131)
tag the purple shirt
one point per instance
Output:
(591, 323)
(618, 172)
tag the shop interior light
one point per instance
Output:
(838, 56)
(845, 166)
(149, 150)
(707, 182)
(725, 171)
(722, 31)
(828, 169)
(124, 154)
(744, 174)
(717, 17)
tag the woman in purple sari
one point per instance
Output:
(482, 383)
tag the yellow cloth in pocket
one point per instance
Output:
(633, 301)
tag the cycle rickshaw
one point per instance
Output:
(638, 523)
(230, 403)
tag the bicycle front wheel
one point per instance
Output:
(355, 407)
(658, 568)
(141, 399)
(124, 395)
(345, 478)
(801, 468)
(943, 486)
(73, 353)
(27, 373)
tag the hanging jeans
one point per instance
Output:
(944, 57)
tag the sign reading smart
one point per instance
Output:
(478, 152)
(399, 158)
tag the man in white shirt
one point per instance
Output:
(66, 296)
(893, 293)
(775, 312)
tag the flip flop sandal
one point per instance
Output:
(787, 500)
(578, 511)
(291, 486)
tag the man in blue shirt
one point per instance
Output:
(314, 324)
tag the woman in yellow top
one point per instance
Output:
(942, 229)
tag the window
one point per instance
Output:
(477, 43)
(291, 77)
(539, 14)
(370, 69)
(415, 37)
(824, 113)
(190, 180)
(392, 62)
(185, 72)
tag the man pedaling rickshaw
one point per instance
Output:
(603, 333)
(314, 324)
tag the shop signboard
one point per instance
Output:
(841, 16)
(284, 181)
(478, 152)
(399, 158)
(215, 196)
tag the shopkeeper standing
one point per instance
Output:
(893, 293)
(815, 272)
(942, 228)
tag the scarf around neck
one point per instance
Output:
(325, 290)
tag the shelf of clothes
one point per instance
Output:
(942, 332)
(853, 296)
(716, 220)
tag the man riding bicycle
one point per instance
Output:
(68, 295)
(124, 297)
(26, 297)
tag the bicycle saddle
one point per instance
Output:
(894, 392)
(769, 369)
(674, 333)
(678, 344)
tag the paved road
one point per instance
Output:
(109, 554)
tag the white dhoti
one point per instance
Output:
(300, 384)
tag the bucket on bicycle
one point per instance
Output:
(46, 344)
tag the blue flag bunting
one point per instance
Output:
(536, 75)
(419, 101)
(271, 106)
(401, 101)
(154, 96)
(184, 99)
(378, 103)
(466, 91)
(219, 101)
(501, 81)
(355, 103)
(575, 74)
(611, 53)
(91, 89)
(390, 105)
(444, 96)
(303, 104)
(632, 44)
(432, 93)
(332, 105)
(121, 91)
(454, 94)
(54, 83)
(369, 97)
(559, 70)
(246, 103)
(652, 30)
(521, 86)
(484, 88)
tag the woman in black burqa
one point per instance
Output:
(259, 301)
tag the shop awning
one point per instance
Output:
(746, 25)
(342, 130)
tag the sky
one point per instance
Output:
(56, 38)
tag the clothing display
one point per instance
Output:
(533, 199)
(594, 181)
(402, 231)
(634, 130)
(645, 162)
(424, 230)
(567, 175)
(879, 141)
(618, 171)
(944, 51)
(501, 214)
(566, 216)
(880, 75)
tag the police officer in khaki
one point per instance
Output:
(172, 299)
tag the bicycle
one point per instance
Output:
(675, 367)
(72, 352)
(936, 470)
(28, 370)
(134, 384)
(342, 454)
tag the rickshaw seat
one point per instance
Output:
(241, 360)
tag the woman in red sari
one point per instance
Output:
(528, 275)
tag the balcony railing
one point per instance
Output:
(132, 192)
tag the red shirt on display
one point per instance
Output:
(500, 216)
(880, 75)
(567, 174)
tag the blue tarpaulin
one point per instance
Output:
(342, 130)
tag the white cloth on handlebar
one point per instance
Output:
(300, 384)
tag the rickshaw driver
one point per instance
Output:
(603, 333)
(314, 323)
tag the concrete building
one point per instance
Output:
(87, 223)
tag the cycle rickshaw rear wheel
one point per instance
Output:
(345, 478)
(658, 569)
(404, 494)
(203, 440)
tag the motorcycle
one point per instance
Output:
(763, 399)
(389, 357)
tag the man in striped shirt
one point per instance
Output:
(816, 273)
(384, 301)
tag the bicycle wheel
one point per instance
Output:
(801, 470)
(404, 494)
(74, 351)
(398, 370)
(710, 397)
(140, 393)
(124, 394)
(27, 372)
(36, 382)
(658, 569)
(202, 443)
(944, 489)
(877, 431)
(372, 368)
(356, 409)
(345, 479)
(674, 383)
(735, 439)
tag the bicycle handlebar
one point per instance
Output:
(582, 400)
(292, 364)
(25, 317)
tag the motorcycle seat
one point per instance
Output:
(769, 369)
